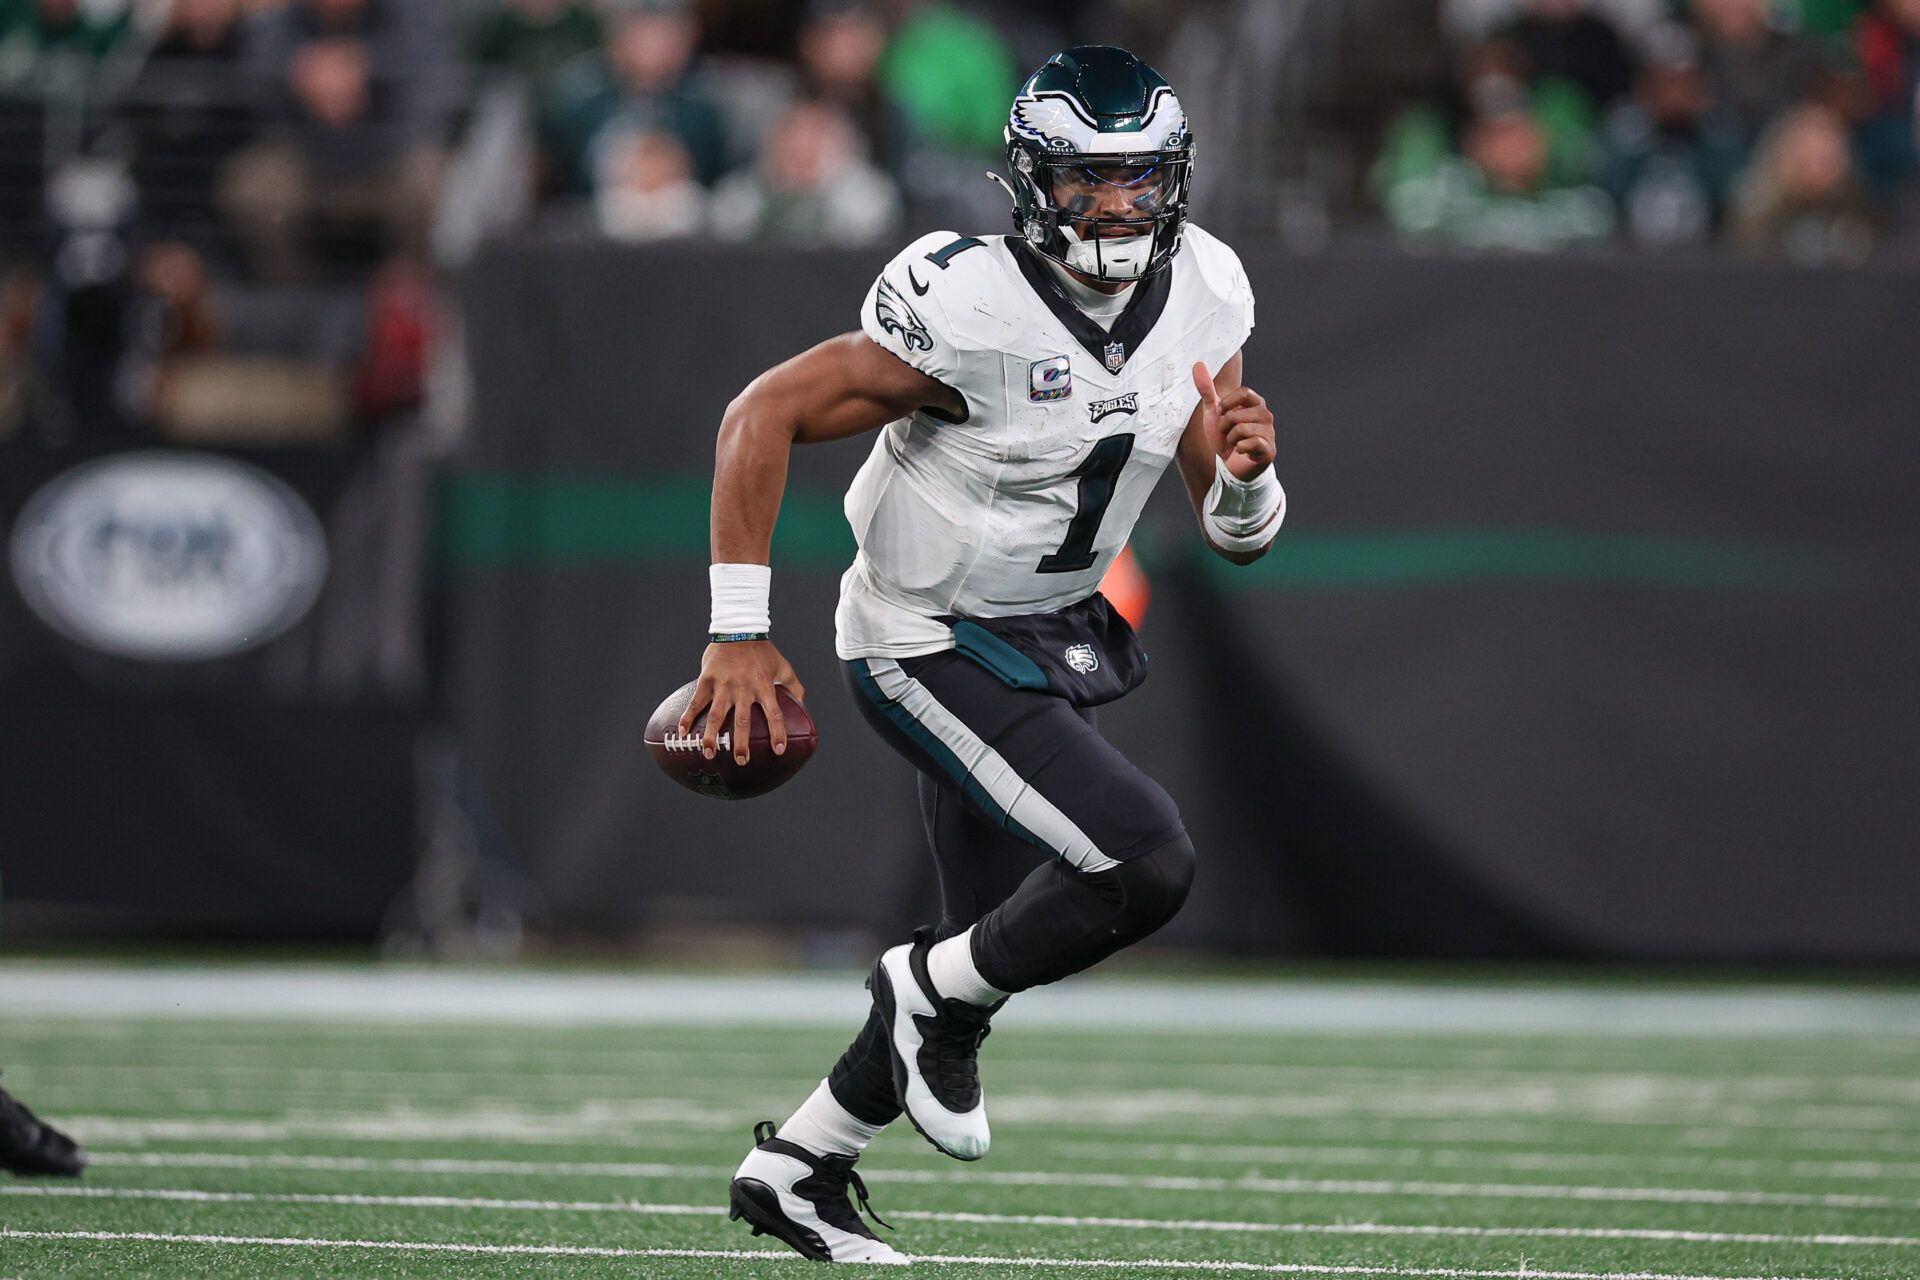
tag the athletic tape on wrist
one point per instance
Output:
(1243, 515)
(740, 599)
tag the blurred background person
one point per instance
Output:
(1802, 198)
(839, 51)
(648, 78)
(811, 185)
(1754, 70)
(1671, 152)
(50, 48)
(532, 43)
(1572, 41)
(203, 39)
(394, 33)
(533, 39)
(1887, 44)
(644, 187)
(952, 74)
(337, 180)
(195, 109)
(1518, 177)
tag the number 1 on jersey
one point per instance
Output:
(1099, 477)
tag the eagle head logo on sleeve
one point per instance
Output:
(897, 316)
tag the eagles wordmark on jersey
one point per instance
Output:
(1021, 506)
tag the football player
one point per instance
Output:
(1028, 390)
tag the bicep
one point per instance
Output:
(849, 385)
(1197, 452)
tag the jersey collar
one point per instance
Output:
(1112, 348)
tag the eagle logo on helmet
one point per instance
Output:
(1047, 118)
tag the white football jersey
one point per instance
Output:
(1021, 506)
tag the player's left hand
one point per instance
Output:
(1239, 426)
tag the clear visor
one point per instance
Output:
(1113, 192)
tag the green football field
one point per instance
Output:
(242, 1125)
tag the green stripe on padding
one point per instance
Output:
(1314, 560)
(941, 755)
(491, 521)
(566, 520)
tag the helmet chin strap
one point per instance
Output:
(1121, 258)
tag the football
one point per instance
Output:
(721, 777)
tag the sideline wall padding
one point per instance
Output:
(1589, 634)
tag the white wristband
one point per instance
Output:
(1243, 515)
(740, 593)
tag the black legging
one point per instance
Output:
(1040, 918)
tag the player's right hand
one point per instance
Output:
(734, 678)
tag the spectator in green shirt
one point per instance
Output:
(953, 75)
(1498, 191)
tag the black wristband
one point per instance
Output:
(728, 637)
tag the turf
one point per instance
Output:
(269, 1146)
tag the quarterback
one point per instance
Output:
(1028, 391)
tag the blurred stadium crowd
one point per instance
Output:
(1780, 129)
(231, 215)
(275, 181)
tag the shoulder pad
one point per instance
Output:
(1219, 266)
(1220, 271)
(909, 315)
(915, 302)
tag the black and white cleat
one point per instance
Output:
(31, 1147)
(935, 1044)
(787, 1192)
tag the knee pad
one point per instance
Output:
(1149, 889)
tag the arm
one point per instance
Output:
(844, 387)
(1231, 423)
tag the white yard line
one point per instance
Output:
(1196, 1153)
(520, 1126)
(415, 995)
(295, 1068)
(1133, 1110)
(1245, 1185)
(1457, 1158)
(1030, 1110)
(383, 1046)
(1626, 1108)
(482, 1203)
(1624, 1099)
(768, 1255)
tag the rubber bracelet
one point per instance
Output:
(730, 636)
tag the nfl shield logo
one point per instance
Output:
(1083, 659)
(1116, 356)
